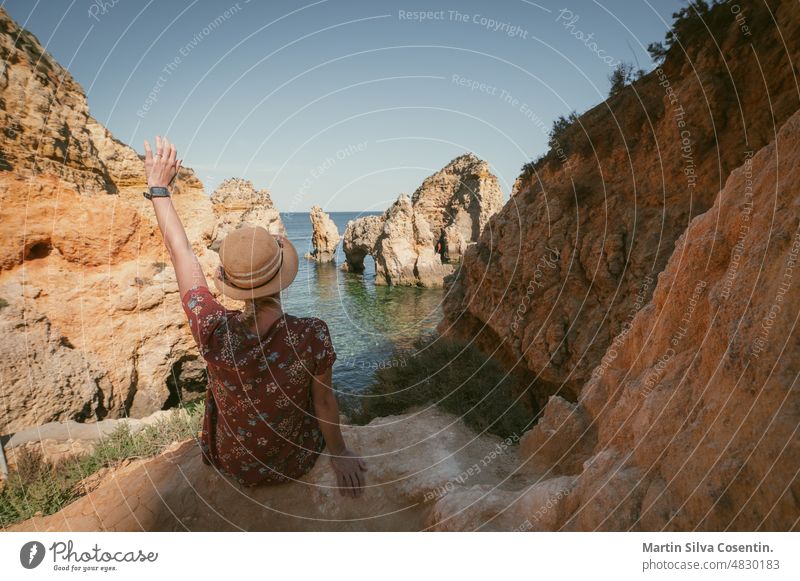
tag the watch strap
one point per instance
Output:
(156, 192)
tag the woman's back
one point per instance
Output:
(259, 424)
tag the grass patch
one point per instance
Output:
(458, 378)
(39, 486)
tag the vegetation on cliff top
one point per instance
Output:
(566, 133)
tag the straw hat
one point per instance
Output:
(255, 263)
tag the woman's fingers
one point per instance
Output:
(362, 464)
(351, 485)
(159, 146)
(340, 482)
(360, 479)
(148, 153)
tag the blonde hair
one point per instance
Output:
(253, 306)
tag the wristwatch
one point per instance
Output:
(156, 192)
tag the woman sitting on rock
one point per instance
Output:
(270, 409)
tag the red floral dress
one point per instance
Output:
(259, 424)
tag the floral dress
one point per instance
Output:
(259, 424)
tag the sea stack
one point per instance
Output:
(417, 240)
(325, 236)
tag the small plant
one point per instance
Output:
(560, 128)
(3, 303)
(455, 376)
(657, 51)
(622, 76)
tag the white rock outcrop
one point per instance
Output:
(237, 203)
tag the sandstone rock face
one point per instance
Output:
(690, 421)
(360, 237)
(87, 277)
(67, 385)
(324, 236)
(419, 237)
(237, 203)
(82, 264)
(576, 251)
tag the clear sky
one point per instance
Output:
(342, 103)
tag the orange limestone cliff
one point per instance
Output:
(90, 315)
(565, 265)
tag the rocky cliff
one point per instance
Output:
(324, 236)
(90, 315)
(691, 419)
(576, 251)
(417, 239)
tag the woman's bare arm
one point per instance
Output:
(347, 465)
(161, 169)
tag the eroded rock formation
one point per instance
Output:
(82, 266)
(324, 236)
(457, 202)
(358, 242)
(405, 252)
(614, 195)
(690, 420)
(237, 203)
(417, 239)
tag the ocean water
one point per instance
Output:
(366, 321)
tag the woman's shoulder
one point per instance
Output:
(310, 324)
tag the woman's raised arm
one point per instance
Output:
(161, 169)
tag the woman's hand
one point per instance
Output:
(349, 469)
(162, 167)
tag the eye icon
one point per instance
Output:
(31, 554)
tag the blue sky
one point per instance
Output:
(343, 104)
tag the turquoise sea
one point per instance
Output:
(366, 321)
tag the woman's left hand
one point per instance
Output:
(162, 167)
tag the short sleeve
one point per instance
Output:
(206, 316)
(324, 353)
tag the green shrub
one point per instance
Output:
(561, 126)
(687, 23)
(456, 377)
(39, 486)
(622, 76)
(3, 303)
